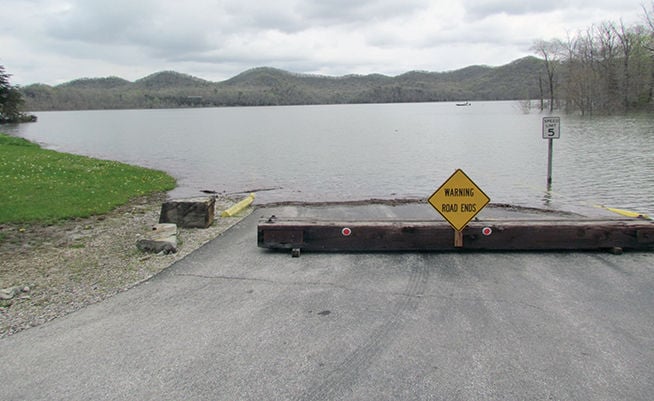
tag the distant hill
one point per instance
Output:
(169, 79)
(271, 86)
(261, 76)
(96, 83)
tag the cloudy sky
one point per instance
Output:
(55, 41)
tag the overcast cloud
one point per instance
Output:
(54, 41)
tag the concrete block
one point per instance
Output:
(163, 238)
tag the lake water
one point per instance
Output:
(354, 152)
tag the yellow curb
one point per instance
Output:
(237, 208)
(626, 213)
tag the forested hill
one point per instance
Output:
(269, 86)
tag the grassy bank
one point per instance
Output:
(39, 185)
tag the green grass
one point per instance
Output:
(39, 185)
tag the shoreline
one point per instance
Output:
(74, 263)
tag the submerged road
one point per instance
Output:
(235, 322)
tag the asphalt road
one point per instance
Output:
(235, 322)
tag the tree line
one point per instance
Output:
(270, 86)
(606, 68)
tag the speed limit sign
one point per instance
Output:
(551, 127)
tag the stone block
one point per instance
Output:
(163, 238)
(189, 213)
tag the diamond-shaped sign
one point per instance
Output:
(458, 200)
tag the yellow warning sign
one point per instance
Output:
(458, 200)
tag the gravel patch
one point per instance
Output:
(57, 269)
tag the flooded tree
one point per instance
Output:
(550, 51)
(605, 69)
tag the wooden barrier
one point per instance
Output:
(508, 235)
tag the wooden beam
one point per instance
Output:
(314, 235)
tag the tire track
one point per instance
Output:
(346, 374)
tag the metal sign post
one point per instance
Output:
(551, 130)
(550, 147)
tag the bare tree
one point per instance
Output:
(550, 51)
(627, 44)
(649, 20)
(607, 61)
(606, 68)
